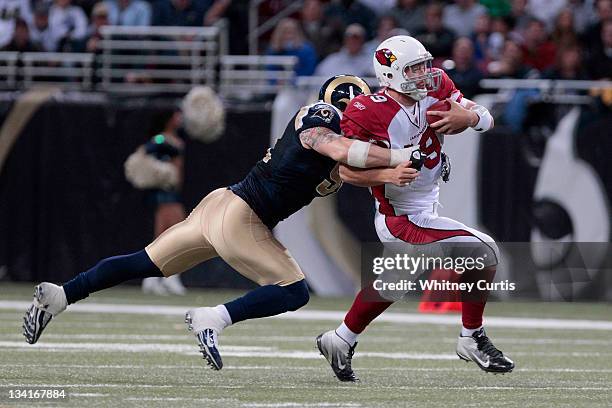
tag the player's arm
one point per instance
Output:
(399, 175)
(465, 113)
(355, 153)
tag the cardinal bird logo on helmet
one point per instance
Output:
(385, 57)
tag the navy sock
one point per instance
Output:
(269, 300)
(110, 272)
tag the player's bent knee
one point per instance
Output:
(297, 295)
(489, 249)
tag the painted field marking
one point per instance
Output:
(337, 316)
(301, 339)
(249, 352)
(300, 368)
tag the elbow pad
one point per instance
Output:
(358, 154)
(485, 120)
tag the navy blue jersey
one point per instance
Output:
(290, 176)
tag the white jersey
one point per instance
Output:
(380, 119)
(408, 214)
(11, 10)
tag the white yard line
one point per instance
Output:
(301, 339)
(230, 351)
(214, 400)
(300, 368)
(300, 404)
(337, 316)
(335, 387)
(132, 347)
(250, 352)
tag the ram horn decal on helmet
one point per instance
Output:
(340, 89)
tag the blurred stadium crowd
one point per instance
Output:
(556, 39)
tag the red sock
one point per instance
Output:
(365, 308)
(472, 308)
(471, 314)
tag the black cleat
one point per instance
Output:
(339, 355)
(479, 349)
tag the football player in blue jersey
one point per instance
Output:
(236, 224)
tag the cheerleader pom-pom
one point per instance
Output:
(203, 114)
(145, 172)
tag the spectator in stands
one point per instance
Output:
(564, 33)
(545, 10)
(600, 60)
(237, 14)
(21, 41)
(568, 64)
(86, 5)
(461, 17)
(10, 11)
(40, 31)
(464, 72)
(129, 12)
(435, 37)
(326, 38)
(341, 13)
(180, 12)
(511, 64)
(520, 14)
(352, 58)
(501, 30)
(288, 39)
(220, 8)
(386, 29)
(592, 35)
(538, 50)
(99, 18)
(68, 25)
(380, 7)
(497, 8)
(410, 14)
(481, 37)
(583, 13)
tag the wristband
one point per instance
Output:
(401, 155)
(485, 120)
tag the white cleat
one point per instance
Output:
(479, 349)
(206, 325)
(49, 301)
(339, 354)
(174, 286)
(154, 286)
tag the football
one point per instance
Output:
(440, 106)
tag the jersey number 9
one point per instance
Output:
(331, 185)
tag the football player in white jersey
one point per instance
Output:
(396, 117)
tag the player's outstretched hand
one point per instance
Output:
(403, 174)
(454, 120)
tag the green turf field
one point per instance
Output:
(119, 359)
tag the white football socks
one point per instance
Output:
(468, 332)
(347, 334)
(224, 315)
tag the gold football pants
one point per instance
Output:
(224, 225)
